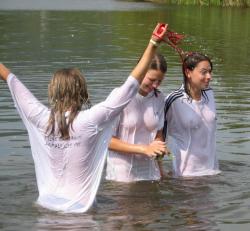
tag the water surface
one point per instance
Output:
(105, 45)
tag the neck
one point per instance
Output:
(142, 93)
(195, 94)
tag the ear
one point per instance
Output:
(188, 73)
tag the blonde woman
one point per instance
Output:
(69, 145)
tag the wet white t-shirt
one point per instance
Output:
(138, 124)
(191, 133)
(68, 172)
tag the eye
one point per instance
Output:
(203, 72)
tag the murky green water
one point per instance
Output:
(105, 40)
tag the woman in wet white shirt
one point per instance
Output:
(190, 120)
(132, 148)
(68, 145)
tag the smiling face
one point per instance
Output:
(200, 76)
(151, 81)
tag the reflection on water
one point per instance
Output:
(105, 45)
(86, 5)
(49, 221)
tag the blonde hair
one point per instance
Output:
(67, 91)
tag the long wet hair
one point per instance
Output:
(67, 92)
(190, 61)
(158, 63)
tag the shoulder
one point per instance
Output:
(173, 96)
(208, 90)
(208, 93)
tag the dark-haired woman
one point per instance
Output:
(69, 145)
(133, 148)
(190, 120)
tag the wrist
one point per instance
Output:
(155, 43)
(141, 149)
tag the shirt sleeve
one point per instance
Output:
(27, 105)
(114, 103)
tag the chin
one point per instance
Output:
(147, 91)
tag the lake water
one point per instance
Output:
(104, 39)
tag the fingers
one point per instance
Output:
(156, 149)
(159, 32)
(159, 152)
(158, 142)
(162, 146)
(153, 155)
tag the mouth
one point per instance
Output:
(150, 89)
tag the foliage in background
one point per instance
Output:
(241, 3)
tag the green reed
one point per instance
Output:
(242, 3)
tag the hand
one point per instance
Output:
(159, 32)
(167, 152)
(4, 72)
(154, 149)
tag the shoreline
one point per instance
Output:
(222, 3)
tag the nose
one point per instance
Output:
(156, 84)
(209, 76)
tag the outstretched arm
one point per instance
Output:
(4, 72)
(26, 103)
(156, 148)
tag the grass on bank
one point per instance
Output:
(225, 3)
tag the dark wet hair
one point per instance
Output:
(190, 61)
(158, 63)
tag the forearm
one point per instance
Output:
(117, 100)
(28, 106)
(118, 145)
(141, 68)
(152, 150)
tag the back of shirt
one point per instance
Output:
(68, 172)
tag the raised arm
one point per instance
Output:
(26, 103)
(118, 99)
(141, 68)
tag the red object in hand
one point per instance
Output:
(160, 30)
(162, 33)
